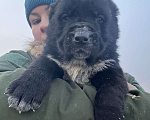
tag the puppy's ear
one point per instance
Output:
(52, 8)
(114, 7)
(54, 4)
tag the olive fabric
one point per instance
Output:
(65, 100)
(137, 105)
(15, 59)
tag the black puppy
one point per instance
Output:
(81, 46)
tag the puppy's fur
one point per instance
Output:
(80, 46)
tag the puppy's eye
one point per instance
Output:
(65, 17)
(100, 18)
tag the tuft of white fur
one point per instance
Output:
(78, 70)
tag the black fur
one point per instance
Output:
(82, 36)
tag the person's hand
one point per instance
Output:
(131, 87)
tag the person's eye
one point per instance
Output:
(35, 22)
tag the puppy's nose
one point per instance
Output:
(81, 36)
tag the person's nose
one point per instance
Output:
(44, 25)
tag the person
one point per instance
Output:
(65, 100)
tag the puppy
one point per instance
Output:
(80, 46)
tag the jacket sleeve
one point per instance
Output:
(15, 59)
(13, 64)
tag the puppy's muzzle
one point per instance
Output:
(83, 40)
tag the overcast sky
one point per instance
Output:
(134, 42)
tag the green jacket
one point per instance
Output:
(65, 100)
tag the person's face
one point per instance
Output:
(39, 21)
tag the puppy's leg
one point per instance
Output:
(111, 90)
(27, 91)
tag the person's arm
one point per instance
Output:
(16, 58)
(132, 83)
(14, 64)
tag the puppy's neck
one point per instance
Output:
(79, 72)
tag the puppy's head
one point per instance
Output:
(82, 32)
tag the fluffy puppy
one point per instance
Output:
(81, 46)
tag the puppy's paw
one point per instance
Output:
(26, 92)
(22, 106)
(22, 96)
